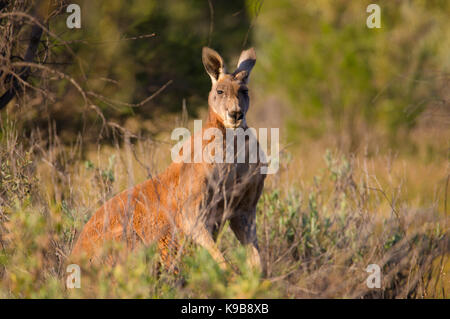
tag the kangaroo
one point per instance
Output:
(191, 199)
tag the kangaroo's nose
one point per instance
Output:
(236, 115)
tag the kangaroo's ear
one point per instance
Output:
(213, 63)
(245, 64)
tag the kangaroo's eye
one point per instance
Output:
(219, 92)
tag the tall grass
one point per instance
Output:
(316, 236)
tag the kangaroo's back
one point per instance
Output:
(138, 215)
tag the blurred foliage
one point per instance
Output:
(324, 62)
(318, 58)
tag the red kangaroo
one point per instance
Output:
(191, 199)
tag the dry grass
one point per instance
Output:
(321, 221)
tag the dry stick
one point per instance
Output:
(211, 21)
(136, 157)
(122, 129)
(445, 195)
(65, 76)
(23, 81)
(258, 6)
(104, 99)
(386, 197)
(74, 83)
(88, 42)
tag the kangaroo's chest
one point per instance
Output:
(227, 187)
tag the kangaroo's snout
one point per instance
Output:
(236, 115)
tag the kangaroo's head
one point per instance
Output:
(228, 97)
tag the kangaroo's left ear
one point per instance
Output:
(245, 64)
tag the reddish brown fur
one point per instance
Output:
(193, 199)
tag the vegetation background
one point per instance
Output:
(364, 120)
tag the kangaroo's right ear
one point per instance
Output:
(213, 63)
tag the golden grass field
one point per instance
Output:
(322, 219)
